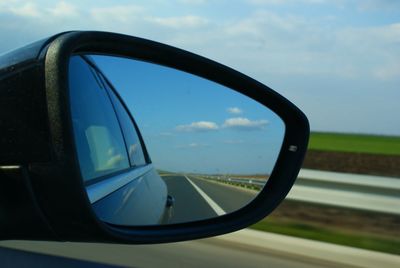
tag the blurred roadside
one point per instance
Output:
(354, 153)
(348, 153)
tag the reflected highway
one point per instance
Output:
(197, 198)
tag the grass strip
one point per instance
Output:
(355, 143)
(302, 230)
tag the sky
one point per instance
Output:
(337, 60)
(190, 124)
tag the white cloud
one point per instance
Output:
(285, 2)
(260, 22)
(367, 5)
(200, 126)
(63, 9)
(387, 72)
(372, 50)
(261, 43)
(289, 43)
(120, 13)
(26, 10)
(370, 36)
(189, 21)
(297, 45)
(234, 110)
(242, 123)
(7, 3)
(192, 2)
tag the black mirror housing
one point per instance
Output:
(23, 113)
(38, 158)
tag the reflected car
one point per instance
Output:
(122, 184)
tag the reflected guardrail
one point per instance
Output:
(252, 183)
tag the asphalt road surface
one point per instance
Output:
(197, 198)
(245, 248)
(202, 253)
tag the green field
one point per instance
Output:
(355, 143)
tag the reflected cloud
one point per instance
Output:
(165, 134)
(239, 123)
(242, 123)
(233, 141)
(234, 110)
(200, 126)
(114, 161)
(193, 145)
(133, 148)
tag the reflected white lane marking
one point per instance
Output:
(217, 209)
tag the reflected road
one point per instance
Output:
(197, 198)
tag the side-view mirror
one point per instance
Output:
(111, 138)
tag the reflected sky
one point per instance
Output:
(190, 124)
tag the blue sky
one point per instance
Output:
(194, 125)
(338, 60)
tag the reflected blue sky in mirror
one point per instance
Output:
(190, 124)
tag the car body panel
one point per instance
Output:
(142, 201)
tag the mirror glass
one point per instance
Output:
(157, 145)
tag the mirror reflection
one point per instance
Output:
(157, 145)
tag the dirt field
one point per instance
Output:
(361, 163)
(351, 221)
(375, 224)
